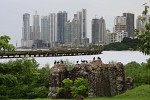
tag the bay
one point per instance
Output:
(106, 56)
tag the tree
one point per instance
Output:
(4, 44)
(144, 34)
(131, 43)
(21, 78)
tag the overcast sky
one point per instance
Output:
(11, 12)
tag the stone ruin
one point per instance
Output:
(104, 80)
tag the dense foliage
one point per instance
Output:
(80, 87)
(126, 44)
(22, 79)
(4, 44)
(144, 34)
(73, 89)
(139, 72)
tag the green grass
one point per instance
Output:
(139, 93)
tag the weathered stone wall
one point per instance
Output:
(104, 80)
(57, 75)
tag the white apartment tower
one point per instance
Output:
(52, 38)
(83, 23)
(36, 27)
(26, 40)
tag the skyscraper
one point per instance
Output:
(75, 31)
(102, 31)
(26, 40)
(120, 24)
(61, 19)
(52, 37)
(95, 31)
(98, 31)
(44, 28)
(36, 27)
(129, 24)
(67, 35)
(83, 24)
(26, 27)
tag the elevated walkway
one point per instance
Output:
(49, 53)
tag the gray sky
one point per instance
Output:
(11, 12)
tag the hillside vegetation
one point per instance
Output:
(139, 93)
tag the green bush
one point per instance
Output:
(21, 78)
(139, 72)
(78, 88)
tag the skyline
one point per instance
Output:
(13, 10)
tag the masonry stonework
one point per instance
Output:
(104, 80)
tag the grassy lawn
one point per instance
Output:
(138, 93)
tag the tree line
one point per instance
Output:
(126, 44)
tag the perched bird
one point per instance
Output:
(86, 61)
(55, 62)
(98, 58)
(62, 62)
(77, 62)
(94, 58)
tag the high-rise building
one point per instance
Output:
(98, 31)
(26, 40)
(52, 37)
(75, 31)
(36, 27)
(31, 33)
(95, 31)
(102, 30)
(67, 35)
(61, 20)
(44, 28)
(83, 24)
(26, 27)
(119, 29)
(120, 24)
(129, 24)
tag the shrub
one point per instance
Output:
(139, 72)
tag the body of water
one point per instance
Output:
(106, 56)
